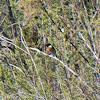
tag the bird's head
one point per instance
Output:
(48, 45)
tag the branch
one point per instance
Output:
(81, 36)
(55, 59)
(25, 45)
(11, 17)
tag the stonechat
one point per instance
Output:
(51, 49)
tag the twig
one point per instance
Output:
(81, 36)
(25, 45)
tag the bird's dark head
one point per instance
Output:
(48, 44)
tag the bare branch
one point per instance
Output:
(25, 45)
(80, 35)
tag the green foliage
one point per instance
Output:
(29, 74)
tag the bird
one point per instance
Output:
(51, 49)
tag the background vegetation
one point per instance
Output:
(27, 72)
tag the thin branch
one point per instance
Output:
(8, 27)
(81, 36)
(25, 45)
(3, 19)
(11, 17)
(16, 68)
(14, 45)
(90, 34)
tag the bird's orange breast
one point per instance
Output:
(49, 49)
